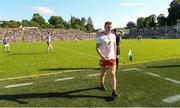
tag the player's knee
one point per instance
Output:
(112, 74)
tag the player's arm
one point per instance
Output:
(99, 51)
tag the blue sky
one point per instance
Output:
(118, 11)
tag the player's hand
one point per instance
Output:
(103, 58)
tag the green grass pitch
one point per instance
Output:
(78, 60)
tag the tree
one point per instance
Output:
(150, 21)
(141, 22)
(67, 25)
(53, 22)
(5, 24)
(130, 25)
(174, 12)
(72, 20)
(89, 25)
(25, 23)
(161, 20)
(153, 19)
(39, 19)
(89, 21)
(33, 24)
(90, 28)
(57, 21)
(12, 24)
(83, 21)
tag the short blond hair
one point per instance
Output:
(107, 23)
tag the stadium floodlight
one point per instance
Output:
(178, 28)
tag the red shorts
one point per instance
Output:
(110, 62)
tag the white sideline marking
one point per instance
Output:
(39, 75)
(156, 75)
(18, 85)
(62, 79)
(93, 74)
(131, 69)
(175, 81)
(172, 99)
(168, 79)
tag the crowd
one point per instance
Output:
(158, 32)
(34, 34)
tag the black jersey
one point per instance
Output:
(118, 40)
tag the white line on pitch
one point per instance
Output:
(18, 85)
(131, 69)
(93, 74)
(62, 79)
(175, 81)
(39, 75)
(153, 74)
(172, 99)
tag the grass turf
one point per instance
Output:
(32, 58)
(137, 89)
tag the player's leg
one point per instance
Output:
(8, 48)
(102, 75)
(4, 48)
(50, 46)
(113, 80)
(102, 78)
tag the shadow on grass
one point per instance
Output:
(57, 69)
(26, 53)
(69, 94)
(163, 66)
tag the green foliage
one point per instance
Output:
(38, 18)
(89, 21)
(57, 21)
(174, 12)
(171, 19)
(130, 25)
(54, 22)
(141, 22)
(10, 24)
(149, 21)
(161, 20)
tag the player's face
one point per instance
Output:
(108, 28)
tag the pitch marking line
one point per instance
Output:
(93, 75)
(174, 81)
(63, 79)
(18, 85)
(172, 99)
(156, 75)
(131, 69)
(168, 79)
(39, 75)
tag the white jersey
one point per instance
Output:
(48, 38)
(5, 41)
(107, 43)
